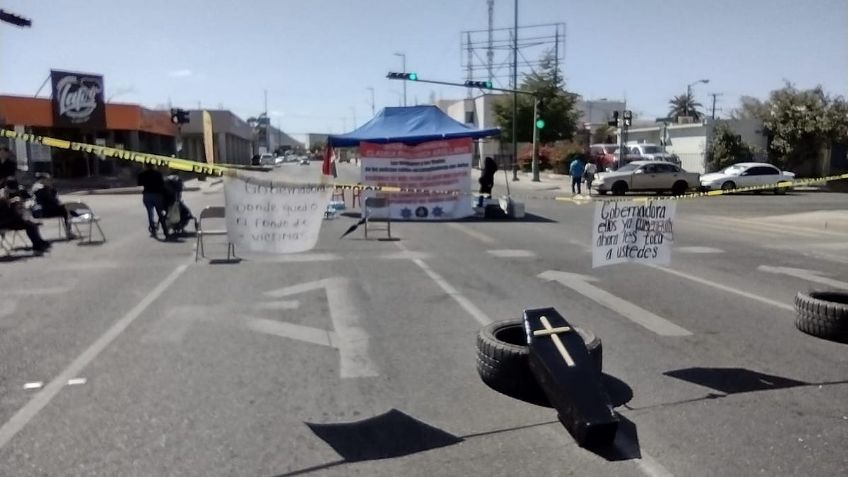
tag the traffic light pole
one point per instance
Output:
(535, 140)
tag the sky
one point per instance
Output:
(317, 58)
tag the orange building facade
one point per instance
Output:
(128, 126)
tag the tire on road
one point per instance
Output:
(679, 188)
(619, 188)
(780, 190)
(503, 360)
(729, 185)
(823, 314)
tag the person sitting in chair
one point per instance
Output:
(12, 218)
(47, 203)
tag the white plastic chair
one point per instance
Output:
(81, 214)
(372, 203)
(212, 212)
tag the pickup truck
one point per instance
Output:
(646, 176)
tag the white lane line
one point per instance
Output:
(40, 400)
(698, 250)
(351, 337)
(648, 320)
(39, 291)
(471, 233)
(804, 274)
(719, 286)
(463, 302)
(511, 253)
(34, 385)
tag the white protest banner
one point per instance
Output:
(274, 217)
(443, 165)
(630, 231)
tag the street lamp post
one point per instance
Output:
(689, 93)
(403, 58)
(371, 89)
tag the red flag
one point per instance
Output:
(326, 167)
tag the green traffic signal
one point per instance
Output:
(413, 76)
(540, 123)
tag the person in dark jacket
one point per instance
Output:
(487, 179)
(47, 203)
(153, 197)
(12, 218)
(8, 165)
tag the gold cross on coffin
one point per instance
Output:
(553, 333)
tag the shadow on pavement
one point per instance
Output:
(619, 392)
(527, 218)
(733, 380)
(389, 435)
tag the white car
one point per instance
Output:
(747, 174)
(645, 176)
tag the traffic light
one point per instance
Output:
(14, 19)
(403, 76)
(628, 117)
(540, 110)
(614, 121)
(479, 84)
(179, 116)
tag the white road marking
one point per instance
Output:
(698, 250)
(463, 302)
(284, 329)
(39, 291)
(77, 381)
(809, 275)
(34, 385)
(581, 284)
(351, 338)
(40, 400)
(402, 255)
(728, 289)
(511, 253)
(278, 305)
(471, 232)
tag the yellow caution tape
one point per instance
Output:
(218, 170)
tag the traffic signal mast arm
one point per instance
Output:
(468, 84)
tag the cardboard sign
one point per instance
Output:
(630, 231)
(274, 217)
(443, 165)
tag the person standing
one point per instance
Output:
(576, 171)
(153, 197)
(487, 179)
(589, 174)
(8, 165)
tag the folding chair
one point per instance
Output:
(212, 212)
(81, 214)
(372, 203)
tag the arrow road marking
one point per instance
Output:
(293, 331)
(350, 338)
(581, 284)
(809, 275)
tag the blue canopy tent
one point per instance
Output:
(409, 125)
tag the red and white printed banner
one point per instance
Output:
(443, 165)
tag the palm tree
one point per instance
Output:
(684, 105)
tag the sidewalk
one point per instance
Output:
(547, 181)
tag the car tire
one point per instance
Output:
(823, 314)
(679, 188)
(728, 185)
(619, 188)
(503, 360)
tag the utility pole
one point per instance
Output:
(490, 51)
(469, 74)
(515, 96)
(535, 163)
(371, 89)
(714, 95)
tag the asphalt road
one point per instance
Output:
(325, 362)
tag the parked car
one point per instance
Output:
(603, 155)
(646, 176)
(651, 152)
(304, 162)
(266, 159)
(747, 174)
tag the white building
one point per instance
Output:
(595, 112)
(478, 112)
(690, 141)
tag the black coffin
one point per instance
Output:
(569, 379)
